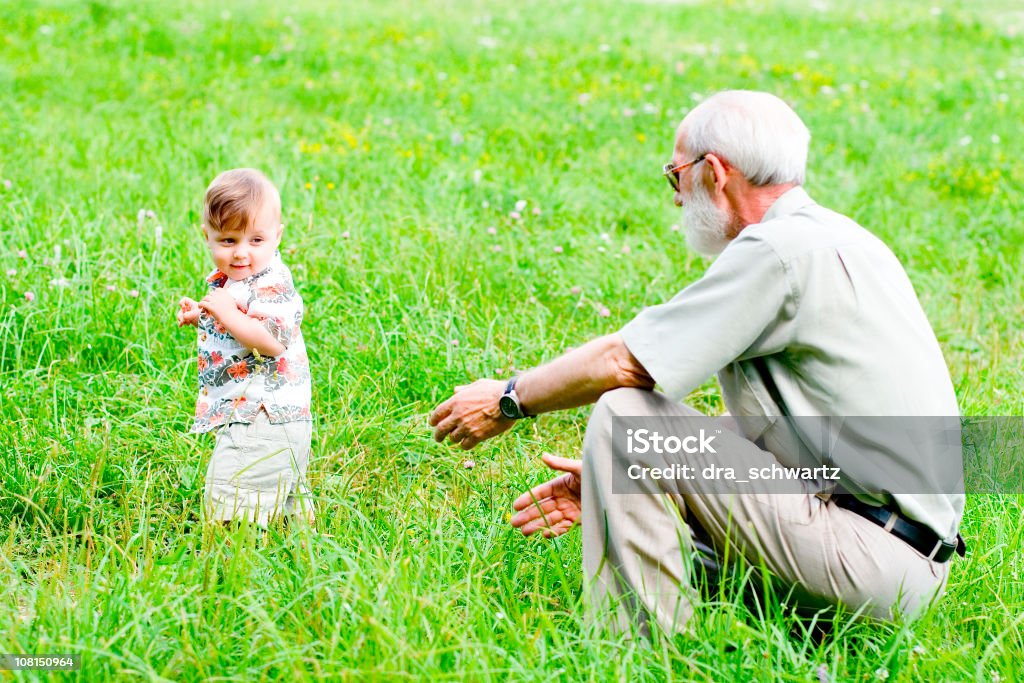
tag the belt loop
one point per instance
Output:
(891, 522)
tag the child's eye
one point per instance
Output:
(227, 241)
(257, 241)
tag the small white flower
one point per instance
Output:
(468, 464)
(650, 108)
(536, 211)
(628, 113)
(675, 228)
(626, 249)
(492, 230)
(386, 121)
(477, 176)
(515, 215)
(11, 272)
(996, 139)
(882, 673)
(936, 11)
(134, 293)
(811, 54)
(558, 249)
(487, 42)
(604, 47)
(604, 312)
(520, 205)
(22, 253)
(485, 204)
(442, 76)
(111, 288)
(59, 282)
(605, 237)
(30, 297)
(454, 342)
(46, 30)
(919, 650)
(457, 139)
(499, 615)
(345, 235)
(7, 184)
(496, 248)
(966, 140)
(575, 290)
(583, 99)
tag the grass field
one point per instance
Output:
(402, 135)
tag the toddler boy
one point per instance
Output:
(254, 380)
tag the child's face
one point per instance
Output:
(241, 254)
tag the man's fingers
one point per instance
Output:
(547, 521)
(440, 412)
(537, 493)
(443, 428)
(542, 507)
(555, 462)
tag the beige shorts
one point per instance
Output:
(258, 471)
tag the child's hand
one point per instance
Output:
(219, 304)
(188, 312)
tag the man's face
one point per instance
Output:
(242, 254)
(707, 225)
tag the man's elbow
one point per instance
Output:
(625, 369)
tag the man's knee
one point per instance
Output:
(622, 401)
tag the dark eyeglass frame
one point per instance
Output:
(672, 172)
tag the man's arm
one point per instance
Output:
(249, 332)
(576, 378)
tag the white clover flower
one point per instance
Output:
(521, 205)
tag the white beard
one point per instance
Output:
(706, 225)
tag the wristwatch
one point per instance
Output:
(509, 402)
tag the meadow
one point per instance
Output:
(469, 189)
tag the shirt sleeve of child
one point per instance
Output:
(276, 304)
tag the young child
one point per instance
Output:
(254, 381)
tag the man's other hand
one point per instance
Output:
(553, 507)
(471, 415)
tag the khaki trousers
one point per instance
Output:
(638, 549)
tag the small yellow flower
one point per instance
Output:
(330, 186)
(309, 186)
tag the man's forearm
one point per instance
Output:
(251, 334)
(580, 376)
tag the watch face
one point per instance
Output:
(508, 407)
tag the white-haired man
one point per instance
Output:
(802, 314)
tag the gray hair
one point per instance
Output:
(756, 132)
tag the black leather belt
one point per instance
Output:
(918, 536)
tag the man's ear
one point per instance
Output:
(720, 170)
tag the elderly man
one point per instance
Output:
(802, 314)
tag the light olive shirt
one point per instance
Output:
(835, 318)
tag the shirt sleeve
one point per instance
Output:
(276, 304)
(718, 319)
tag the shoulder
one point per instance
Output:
(810, 229)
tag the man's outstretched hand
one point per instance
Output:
(471, 415)
(553, 507)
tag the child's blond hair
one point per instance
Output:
(234, 197)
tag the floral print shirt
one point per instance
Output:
(234, 381)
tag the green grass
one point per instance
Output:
(374, 120)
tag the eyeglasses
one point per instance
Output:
(672, 172)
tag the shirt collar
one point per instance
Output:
(791, 201)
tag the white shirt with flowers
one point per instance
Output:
(234, 381)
